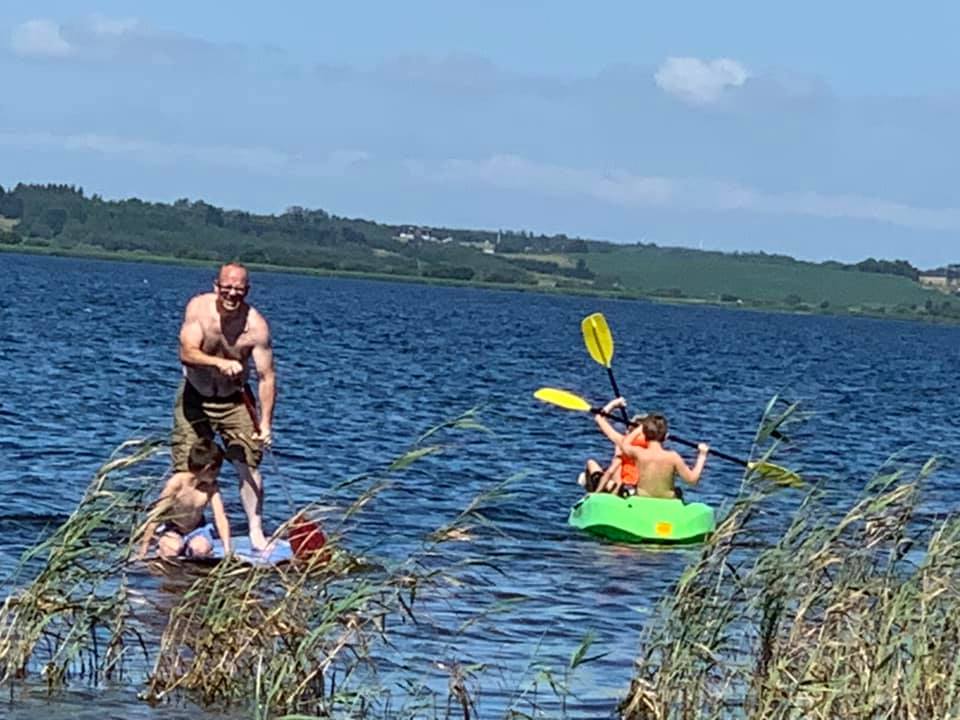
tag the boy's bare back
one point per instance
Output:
(656, 468)
(185, 501)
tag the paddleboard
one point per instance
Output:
(304, 538)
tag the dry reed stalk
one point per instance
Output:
(843, 617)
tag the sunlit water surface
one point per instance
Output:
(88, 351)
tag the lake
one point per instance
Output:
(89, 356)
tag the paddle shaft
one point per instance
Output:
(251, 406)
(690, 443)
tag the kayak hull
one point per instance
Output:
(642, 519)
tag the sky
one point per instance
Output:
(821, 130)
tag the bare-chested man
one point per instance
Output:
(219, 336)
(656, 467)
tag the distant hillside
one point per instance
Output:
(63, 219)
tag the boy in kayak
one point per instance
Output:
(596, 478)
(648, 466)
(177, 517)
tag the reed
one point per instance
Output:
(304, 640)
(71, 620)
(852, 614)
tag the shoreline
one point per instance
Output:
(89, 253)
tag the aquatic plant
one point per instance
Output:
(850, 613)
(307, 639)
(71, 618)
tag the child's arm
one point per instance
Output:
(159, 507)
(605, 427)
(692, 475)
(613, 469)
(220, 519)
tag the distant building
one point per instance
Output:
(937, 281)
(945, 279)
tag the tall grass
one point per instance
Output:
(71, 618)
(306, 639)
(849, 614)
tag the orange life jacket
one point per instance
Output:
(629, 474)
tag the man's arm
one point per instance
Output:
(191, 341)
(220, 519)
(267, 379)
(692, 475)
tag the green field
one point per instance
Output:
(753, 278)
(61, 219)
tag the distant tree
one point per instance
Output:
(353, 236)
(888, 267)
(11, 206)
(55, 219)
(213, 216)
(575, 246)
(451, 272)
(607, 282)
(40, 229)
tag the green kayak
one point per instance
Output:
(642, 519)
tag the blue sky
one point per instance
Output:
(823, 130)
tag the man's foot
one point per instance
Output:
(258, 543)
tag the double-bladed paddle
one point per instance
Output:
(599, 341)
(569, 401)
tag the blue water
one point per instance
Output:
(88, 352)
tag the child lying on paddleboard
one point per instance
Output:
(176, 519)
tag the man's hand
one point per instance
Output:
(703, 448)
(265, 436)
(230, 368)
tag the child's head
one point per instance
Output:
(205, 457)
(654, 427)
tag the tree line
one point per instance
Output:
(63, 216)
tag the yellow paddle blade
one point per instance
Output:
(597, 337)
(776, 473)
(562, 398)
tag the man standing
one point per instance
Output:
(219, 335)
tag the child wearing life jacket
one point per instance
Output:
(647, 467)
(620, 476)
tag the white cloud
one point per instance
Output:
(101, 25)
(682, 194)
(517, 173)
(102, 39)
(39, 38)
(699, 81)
(259, 160)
